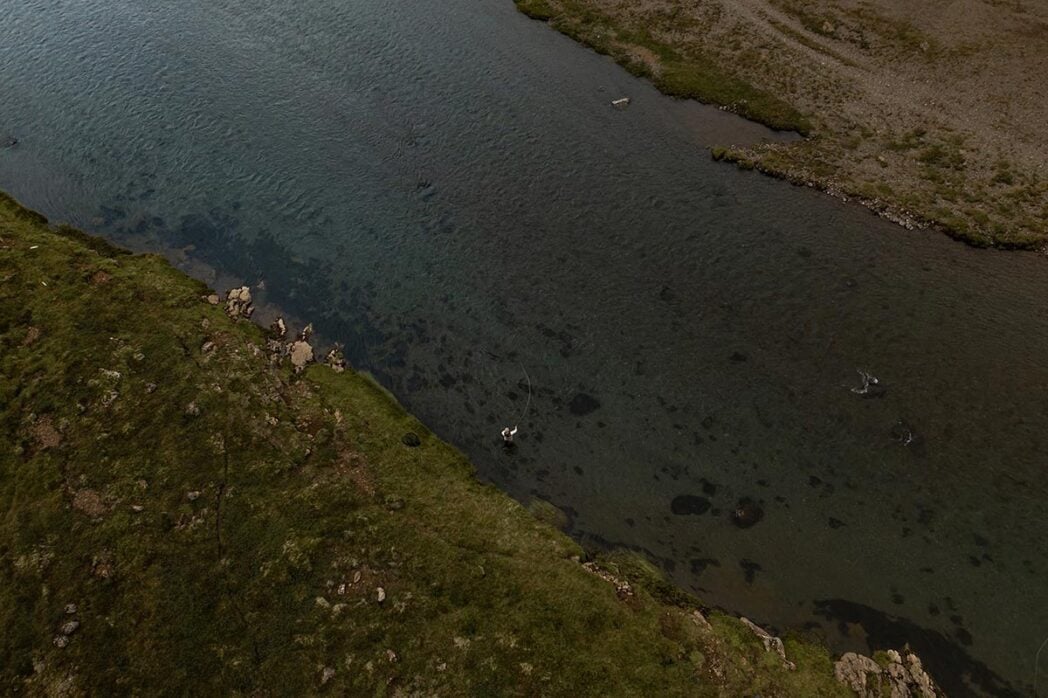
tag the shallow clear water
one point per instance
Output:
(445, 188)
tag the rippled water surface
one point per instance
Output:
(445, 188)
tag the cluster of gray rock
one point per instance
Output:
(66, 629)
(903, 677)
(299, 351)
(238, 303)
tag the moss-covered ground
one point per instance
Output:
(178, 517)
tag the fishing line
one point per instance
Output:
(528, 403)
(1036, 661)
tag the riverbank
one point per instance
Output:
(929, 117)
(192, 505)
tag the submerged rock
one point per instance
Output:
(689, 504)
(582, 404)
(747, 513)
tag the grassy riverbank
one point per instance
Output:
(928, 115)
(183, 513)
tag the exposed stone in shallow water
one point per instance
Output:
(747, 513)
(689, 505)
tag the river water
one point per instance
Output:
(445, 188)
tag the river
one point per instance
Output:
(445, 188)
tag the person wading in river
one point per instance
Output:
(507, 435)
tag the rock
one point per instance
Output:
(905, 678)
(335, 360)
(391, 656)
(150, 387)
(207, 346)
(192, 409)
(137, 508)
(853, 671)
(61, 641)
(278, 328)
(411, 440)
(212, 299)
(380, 594)
(326, 675)
(920, 677)
(70, 608)
(623, 590)
(193, 496)
(689, 505)
(301, 355)
(700, 620)
(238, 303)
(621, 102)
(771, 643)
(70, 627)
(306, 332)
(747, 513)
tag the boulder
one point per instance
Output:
(770, 642)
(853, 670)
(747, 513)
(335, 360)
(301, 355)
(904, 678)
(238, 303)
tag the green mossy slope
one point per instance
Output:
(223, 526)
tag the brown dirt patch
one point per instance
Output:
(31, 336)
(45, 433)
(353, 466)
(89, 502)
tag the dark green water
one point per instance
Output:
(445, 188)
